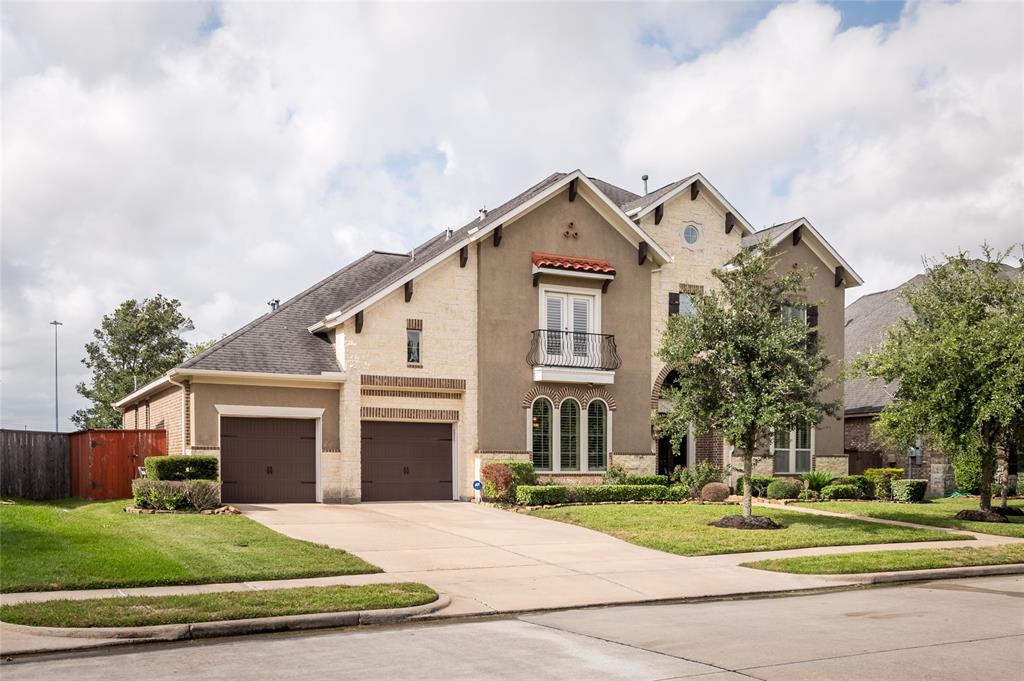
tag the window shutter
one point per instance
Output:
(812, 316)
(580, 315)
(812, 340)
(554, 314)
(673, 304)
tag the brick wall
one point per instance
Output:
(710, 448)
(165, 414)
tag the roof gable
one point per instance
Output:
(775, 234)
(643, 205)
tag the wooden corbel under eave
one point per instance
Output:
(408, 290)
(840, 276)
(497, 235)
(359, 321)
(642, 253)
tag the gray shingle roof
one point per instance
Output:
(650, 198)
(619, 196)
(767, 233)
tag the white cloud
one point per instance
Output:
(144, 154)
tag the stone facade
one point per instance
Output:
(836, 465)
(636, 463)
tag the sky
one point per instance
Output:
(228, 154)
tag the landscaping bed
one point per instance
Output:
(76, 544)
(138, 611)
(684, 529)
(893, 561)
(938, 512)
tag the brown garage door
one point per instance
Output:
(264, 460)
(406, 461)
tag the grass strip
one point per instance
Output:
(894, 561)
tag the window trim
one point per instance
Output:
(682, 235)
(791, 459)
(582, 435)
(419, 346)
(552, 453)
(594, 293)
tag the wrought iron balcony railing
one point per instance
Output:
(573, 350)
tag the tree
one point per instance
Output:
(959, 361)
(745, 361)
(203, 346)
(135, 344)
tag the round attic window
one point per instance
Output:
(691, 235)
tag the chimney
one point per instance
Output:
(274, 303)
(644, 178)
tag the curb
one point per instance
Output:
(256, 625)
(932, 574)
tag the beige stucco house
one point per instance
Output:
(529, 333)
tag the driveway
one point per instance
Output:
(489, 560)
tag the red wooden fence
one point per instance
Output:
(104, 462)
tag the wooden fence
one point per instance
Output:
(34, 464)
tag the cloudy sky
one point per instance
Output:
(229, 154)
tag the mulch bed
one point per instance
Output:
(981, 516)
(738, 522)
(1008, 511)
(220, 510)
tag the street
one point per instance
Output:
(955, 629)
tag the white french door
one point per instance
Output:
(568, 318)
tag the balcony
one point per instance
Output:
(571, 357)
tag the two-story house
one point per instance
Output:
(530, 333)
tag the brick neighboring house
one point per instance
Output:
(529, 333)
(868, 319)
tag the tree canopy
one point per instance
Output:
(135, 344)
(745, 361)
(958, 361)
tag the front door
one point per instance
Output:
(669, 457)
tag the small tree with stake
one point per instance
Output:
(746, 364)
(959, 362)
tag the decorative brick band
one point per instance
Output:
(582, 395)
(691, 289)
(403, 414)
(614, 454)
(205, 448)
(413, 382)
(659, 382)
(419, 394)
(414, 324)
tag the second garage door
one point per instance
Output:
(266, 459)
(406, 461)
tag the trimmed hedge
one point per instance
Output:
(595, 493)
(758, 483)
(866, 487)
(881, 479)
(967, 473)
(840, 492)
(541, 495)
(909, 491)
(646, 480)
(1020, 484)
(177, 467)
(781, 488)
(173, 495)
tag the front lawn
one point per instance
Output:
(938, 512)
(683, 528)
(891, 561)
(75, 544)
(137, 611)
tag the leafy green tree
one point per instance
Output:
(959, 361)
(203, 346)
(135, 344)
(745, 361)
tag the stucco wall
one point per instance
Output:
(510, 311)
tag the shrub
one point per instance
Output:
(646, 480)
(909, 491)
(201, 494)
(881, 480)
(967, 473)
(714, 491)
(758, 483)
(162, 495)
(522, 472)
(781, 488)
(1020, 484)
(596, 493)
(190, 467)
(867, 489)
(840, 492)
(615, 475)
(679, 493)
(541, 495)
(499, 483)
(816, 480)
(808, 495)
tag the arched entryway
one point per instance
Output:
(668, 456)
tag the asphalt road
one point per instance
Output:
(963, 629)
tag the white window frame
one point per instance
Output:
(595, 294)
(556, 437)
(419, 345)
(791, 468)
(700, 236)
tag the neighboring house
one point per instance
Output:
(868, 320)
(531, 333)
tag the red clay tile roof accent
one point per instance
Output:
(568, 262)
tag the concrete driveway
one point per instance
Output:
(489, 560)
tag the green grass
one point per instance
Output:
(75, 544)
(938, 512)
(684, 530)
(891, 561)
(137, 611)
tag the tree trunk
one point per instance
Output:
(987, 470)
(748, 468)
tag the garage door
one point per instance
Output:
(266, 460)
(406, 461)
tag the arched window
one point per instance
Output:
(597, 436)
(569, 434)
(540, 433)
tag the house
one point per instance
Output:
(868, 320)
(529, 333)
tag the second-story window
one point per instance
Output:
(412, 346)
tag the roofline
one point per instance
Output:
(862, 411)
(336, 318)
(746, 226)
(165, 380)
(804, 222)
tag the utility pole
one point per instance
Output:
(56, 417)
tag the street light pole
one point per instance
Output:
(56, 417)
